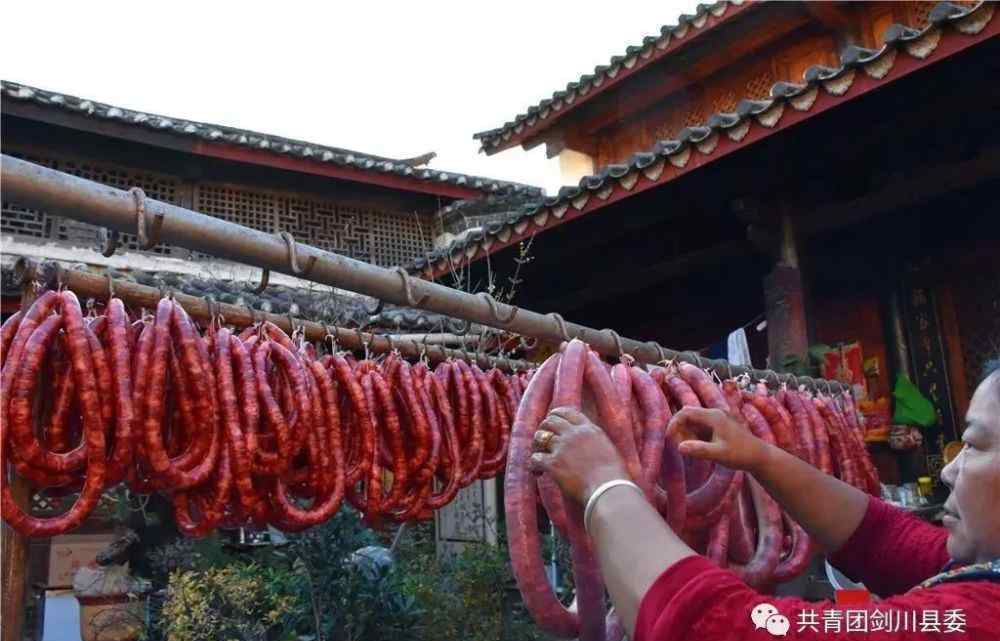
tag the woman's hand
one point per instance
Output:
(579, 457)
(714, 435)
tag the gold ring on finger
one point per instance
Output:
(543, 440)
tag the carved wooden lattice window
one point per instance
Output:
(21, 221)
(371, 235)
(385, 238)
(978, 300)
(154, 185)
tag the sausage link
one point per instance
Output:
(521, 514)
(116, 330)
(41, 308)
(799, 553)
(803, 426)
(56, 432)
(229, 406)
(761, 567)
(80, 357)
(7, 331)
(102, 371)
(718, 541)
(21, 415)
(365, 431)
(494, 448)
(278, 461)
(449, 435)
(821, 438)
(474, 451)
(742, 535)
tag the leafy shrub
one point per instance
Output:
(469, 597)
(239, 601)
(353, 597)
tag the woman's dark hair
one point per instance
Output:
(991, 366)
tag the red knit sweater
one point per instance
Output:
(891, 552)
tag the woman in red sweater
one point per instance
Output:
(934, 583)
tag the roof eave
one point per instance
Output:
(862, 72)
(549, 112)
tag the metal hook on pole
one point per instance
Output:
(694, 356)
(111, 284)
(265, 276)
(295, 328)
(408, 289)
(293, 256)
(377, 310)
(560, 325)
(148, 236)
(661, 355)
(60, 277)
(461, 329)
(366, 342)
(617, 341)
(423, 349)
(331, 336)
(494, 306)
(109, 241)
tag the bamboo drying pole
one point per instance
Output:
(136, 295)
(154, 221)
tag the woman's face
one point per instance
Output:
(973, 509)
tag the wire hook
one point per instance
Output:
(524, 344)
(60, 277)
(293, 256)
(265, 277)
(408, 289)
(422, 354)
(495, 309)
(297, 329)
(462, 329)
(109, 241)
(377, 311)
(331, 336)
(366, 342)
(148, 237)
(111, 285)
(617, 341)
(560, 325)
(660, 353)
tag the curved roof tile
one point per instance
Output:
(651, 47)
(244, 138)
(766, 113)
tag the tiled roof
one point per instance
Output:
(635, 58)
(250, 139)
(821, 87)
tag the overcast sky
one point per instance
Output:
(390, 78)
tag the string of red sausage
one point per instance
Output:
(723, 514)
(257, 428)
(235, 429)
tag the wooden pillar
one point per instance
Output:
(784, 303)
(14, 547)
